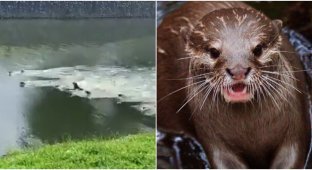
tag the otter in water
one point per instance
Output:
(228, 77)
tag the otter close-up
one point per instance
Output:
(229, 77)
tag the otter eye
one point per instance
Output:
(257, 51)
(214, 53)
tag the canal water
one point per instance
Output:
(75, 79)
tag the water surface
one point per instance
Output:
(36, 114)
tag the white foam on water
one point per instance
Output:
(12, 103)
(124, 84)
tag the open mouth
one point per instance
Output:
(237, 93)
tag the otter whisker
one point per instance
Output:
(275, 79)
(256, 90)
(280, 74)
(181, 89)
(260, 90)
(196, 93)
(294, 71)
(276, 65)
(251, 88)
(218, 96)
(209, 88)
(289, 85)
(190, 77)
(194, 77)
(267, 89)
(204, 74)
(184, 58)
(262, 99)
(284, 52)
(216, 88)
(192, 114)
(278, 92)
(206, 96)
(275, 37)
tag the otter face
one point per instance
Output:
(235, 54)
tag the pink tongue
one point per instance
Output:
(238, 87)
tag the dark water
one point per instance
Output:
(31, 116)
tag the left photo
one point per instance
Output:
(78, 85)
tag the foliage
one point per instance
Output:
(133, 151)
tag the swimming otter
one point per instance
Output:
(228, 77)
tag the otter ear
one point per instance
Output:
(278, 24)
(185, 33)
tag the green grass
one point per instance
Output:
(133, 151)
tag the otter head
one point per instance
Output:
(235, 53)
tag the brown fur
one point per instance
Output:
(266, 133)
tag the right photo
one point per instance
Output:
(234, 85)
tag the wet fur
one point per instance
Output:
(262, 133)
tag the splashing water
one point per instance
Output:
(125, 84)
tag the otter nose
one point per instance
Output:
(238, 72)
